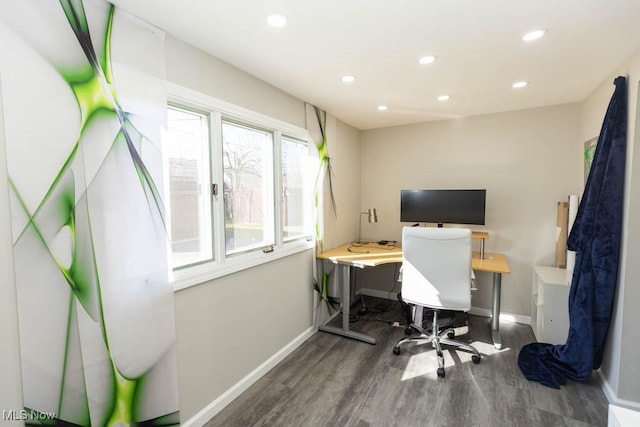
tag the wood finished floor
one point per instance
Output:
(335, 381)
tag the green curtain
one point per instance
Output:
(323, 203)
(83, 94)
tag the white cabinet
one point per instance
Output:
(549, 304)
(622, 417)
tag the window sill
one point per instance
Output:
(193, 276)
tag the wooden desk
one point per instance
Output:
(363, 255)
(351, 256)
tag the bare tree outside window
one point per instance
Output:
(247, 160)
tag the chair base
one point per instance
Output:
(437, 339)
(408, 310)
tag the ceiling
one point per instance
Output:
(477, 43)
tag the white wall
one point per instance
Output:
(345, 162)
(621, 364)
(192, 68)
(630, 350)
(228, 327)
(527, 161)
(11, 383)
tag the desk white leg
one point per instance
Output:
(346, 305)
(495, 311)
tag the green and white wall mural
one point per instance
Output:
(84, 101)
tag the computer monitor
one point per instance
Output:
(443, 206)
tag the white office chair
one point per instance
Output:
(436, 274)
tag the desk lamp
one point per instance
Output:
(372, 217)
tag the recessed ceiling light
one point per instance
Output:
(348, 79)
(444, 97)
(429, 59)
(519, 85)
(533, 35)
(382, 108)
(277, 20)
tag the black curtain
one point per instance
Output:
(595, 237)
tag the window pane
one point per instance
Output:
(186, 147)
(248, 187)
(296, 200)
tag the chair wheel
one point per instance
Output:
(407, 330)
(451, 335)
(396, 350)
(441, 372)
(475, 359)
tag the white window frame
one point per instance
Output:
(222, 264)
(268, 190)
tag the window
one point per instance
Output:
(239, 187)
(248, 187)
(186, 148)
(295, 187)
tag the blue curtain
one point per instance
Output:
(595, 237)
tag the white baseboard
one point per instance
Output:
(629, 404)
(484, 312)
(611, 395)
(228, 396)
(504, 317)
(606, 387)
